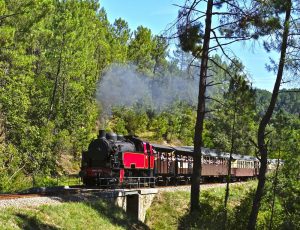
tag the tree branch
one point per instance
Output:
(9, 15)
(214, 99)
(221, 67)
(213, 84)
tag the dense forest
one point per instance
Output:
(57, 56)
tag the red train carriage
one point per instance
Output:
(244, 167)
(175, 164)
(214, 164)
(164, 164)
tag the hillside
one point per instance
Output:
(288, 100)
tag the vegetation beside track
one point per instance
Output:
(25, 183)
(171, 210)
(96, 215)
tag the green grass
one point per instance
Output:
(97, 215)
(171, 210)
(57, 181)
(22, 182)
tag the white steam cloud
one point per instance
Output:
(123, 86)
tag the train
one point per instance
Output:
(116, 160)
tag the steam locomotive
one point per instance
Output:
(113, 159)
(129, 161)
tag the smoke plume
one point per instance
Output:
(123, 86)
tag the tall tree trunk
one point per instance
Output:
(275, 182)
(228, 178)
(198, 143)
(265, 121)
(59, 63)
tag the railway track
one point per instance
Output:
(79, 194)
(16, 196)
(73, 190)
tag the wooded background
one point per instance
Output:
(53, 56)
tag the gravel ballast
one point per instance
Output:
(92, 196)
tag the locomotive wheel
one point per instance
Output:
(166, 182)
(186, 181)
(152, 185)
(89, 182)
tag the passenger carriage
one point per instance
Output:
(175, 165)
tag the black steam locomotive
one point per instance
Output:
(115, 159)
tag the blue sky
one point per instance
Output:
(158, 14)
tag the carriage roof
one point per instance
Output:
(163, 148)
(189, 150)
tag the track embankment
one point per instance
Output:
(187, 188)
(84, 194)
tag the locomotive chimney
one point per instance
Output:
(102, 134)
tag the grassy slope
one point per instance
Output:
(170, 210)
(98, 215)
